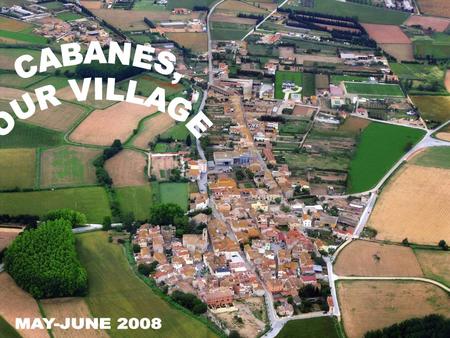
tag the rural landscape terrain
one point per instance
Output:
(315, 204)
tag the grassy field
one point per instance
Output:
(294, 128)
(91, 201)
(310, 328)
(366, 14)
(9, 79)
(7, 330)
(146, 84)
(114, 291)
(437, 46)
(422, 76)
(69, 16)
(56, 81)
(380, 147)
(17, 168)
(437, 157)
(282, 76)
(336, 79)
(189, 3)
(229, 31)
(136, 200)
(373, 89)
(147, 5)
(19, 31)
(309, 84)
(433, 108)
(28, 136)
(174, 193)
(435, 264)
(177, 132)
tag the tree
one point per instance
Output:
(234, 334)
(188, 141)
(147, 269)
(405, 241)
(443, 245)
(136, 248)
(106, 223)
(74, 217)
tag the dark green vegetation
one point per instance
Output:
(7, 330)
(430, 326)
(438, 157)
(310, 328)
(28, 136)
(115, 291)
(309, 84)
(75, 218)
(380, 147)
(189, 301)
(286, 76)
(373, 89)
(228, 31)
(433, 109)
(365, 13)
(43, 261)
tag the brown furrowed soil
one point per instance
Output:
(17, 303)
(401, 51)
(386, 33)
(354, 125)
(62, 308)
(435, 7)
(371, 305)
(151, 128)
(437, 24)
(414, 205)
(102, 127)
(364, 258)
(9, 94)
(127, 168)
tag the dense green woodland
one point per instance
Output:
(43, 261)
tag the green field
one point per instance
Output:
(91, 201)
(7, 330)
(282, 76)
(136, 200)
(374, 89)
(437, 46)
(115, 291)
(17, 168)
(178, 132)
(146, 84)
(228, 31)
(336, 79)
(53, 5)
(69, 16)
(56, 81)
(438, 157)
(147, 5)
(380, 147)
(309, 84)
(433, 108)
(365, 13)
(294, 128)
(189, 3)
(322, 327)
(25, 35)
(29, 136)
(9, 79)
(421, 78)
(174, 193)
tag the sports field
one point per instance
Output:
(286, 76)
(373, 89)
(310, 328)
(17, 168)
(136, 200)
(174, 193)
(91, 201)
(115, 291)
(69, 16)
(380, 147)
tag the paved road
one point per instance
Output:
(331, 280)
(93, 227)
(365, 215)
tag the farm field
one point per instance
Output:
(402, 206)
(228, 31)
(365, 13)
(197, 42)
(93, 4)
(309, 328)
(433, 108)
(7, 235)
(336, 79)
(7, 330)
(234, 6)
(437, 45)
(435, 264)
(9, 94)
(18, 303)
(309, 83)
(437, 157)
(67, 94)
(381, 145)
(127, 168)
(136, 200)
(177, 132)
(120, 118)
(373, 89)
(444, 133)
(56, 81)
(437, 24)
(69, 16)
(61, 308)
(25, 135)
(147, 5)
(20, 31)
(152, 127)
(9, 56)
(171, 4)
(91, 201)
(114, 291)
(68, 166)
(400, 51)
(146, 84)
(286, 76)
(354, 125)
(8, 79)
(383, 303)
(386, 33)
(422, 76)
(177, 193)
(435, 7)
(364, 258)
(17, 168)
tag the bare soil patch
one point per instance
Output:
(437, 24)
(12, 25)
(127, 168)
(414, 205)
(364, 258)
(435, 7)
(443, 136)
(239, 6)
(401, 51)
(17, 303)
(61, 308)
(7, 235)
(198, 42)
(354, 125)
(447, 80)
(151, 128)
(371, 305)
(9, 94)
(102, 127)
(386, 33)
(92, 4)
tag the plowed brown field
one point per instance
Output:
(127, 168)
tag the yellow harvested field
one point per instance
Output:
(364, 258)
(127, 168)
(198, 42)
(239, 7)
(102, 127)
(17, 168)
(443, 136)
(414, 205)
(10, 94)
(7, 235)
(61, 308)
(151, 128)
(435, 264)
(17, 303)
(371, 305)
(92, 4)
(13, 25)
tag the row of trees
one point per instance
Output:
(189, 301)
(44, 262)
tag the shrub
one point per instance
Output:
(74, 217)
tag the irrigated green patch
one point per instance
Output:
(91, 201)
(146, 84)
(7, 330)
(69, 16)
(136, 200)
(438, 157)
(25, 35)
(115, 291)
(174, 193)
(293, 128)
(29, 136)
(286, 76)
(17, 168)
(56, 81)
(380, 147)
(373, 89)
(310, 328)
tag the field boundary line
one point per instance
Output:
(37, 181)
